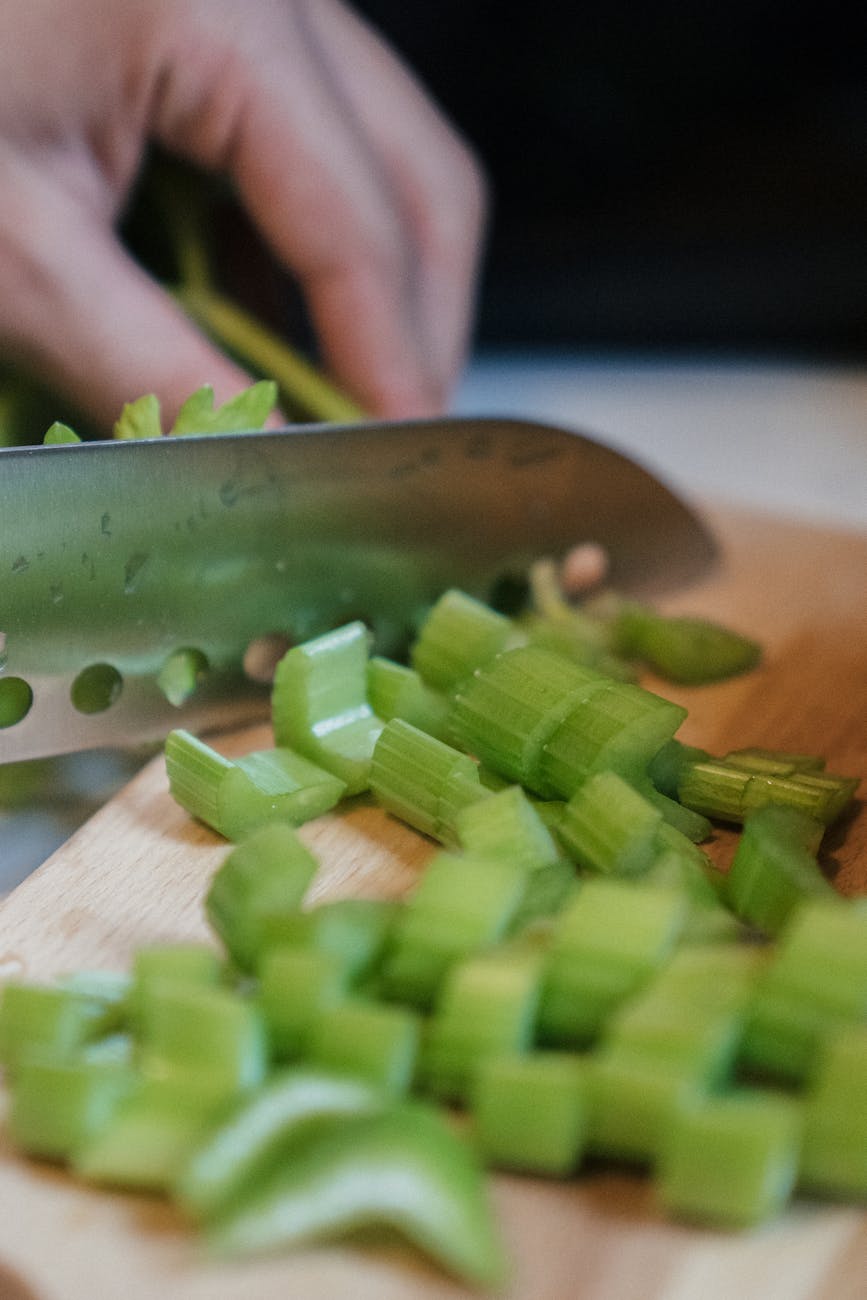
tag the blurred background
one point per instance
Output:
(668, 175)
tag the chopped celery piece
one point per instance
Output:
(58, 1105)
(530, 1112)
(356, 930)
(609, 828)
(295, 986)
(486, 1008)
(263, 877)
(319, 704)
(699, 1038)
(506, 711)
(507, 824)
(396, 691)
(150, 1136)
(461, 904)
(236, 797)
(246, 411)
(404, 1170)
(139, 419)
(834, 1150)
(258, 1134)
(52, 1021)
(774, 867)
(720, 976)
(606, 942)
(59, 433)
(367, 1040)
(676, 861)
(633, 1099)
(181, 963)
(547, 891)
(458, 635)
(719, 789)
(669, 762)
(687, 650)
(181, 674)
(695, 826)
(619, 727)
(731, 1160)
(815, 984)
(421, 779)
(772, 762)
(210, 1037)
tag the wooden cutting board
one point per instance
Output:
(135, 874)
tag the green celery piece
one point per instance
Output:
(139, 419)
(695, 826)
(548, 889)
(367, 1040)
(59, 433)
(633, 1099)
(181, 674)
(263, 877)
(530, 1112)
(404, 1170)
(150, 1136)
(211, 1037)
(670, 761)
(834, 1149)
(51, 1021)
(319, 704)
(303, 391)
(295, 986)
(396, 691)
(678, 861)
(700, 1038)
(486, 1008)
(256, 1137)
(619, 728)
(609, 828)
(687, 650)
(720, 976)
(459, 634)
(507, 824)
(245, 412)
(507, 710)
(774, 867)
(814, 985)
(772, 762)
(721, 790)
(185, 963)
(236, 797)
(732, 1160)
(421, 779)
(580, 637)
(356, 930)
(608, 940)
(462, 903)
(57, 1105)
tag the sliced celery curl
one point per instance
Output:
(564, 970)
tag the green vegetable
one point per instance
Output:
(774, 867)
(529, 1112)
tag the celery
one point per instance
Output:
(369, 1041)
(720, 788)
(259, 1132)
(56, 1106)
(507, 824)
(264, 876)
(507, 711)
(319, 704)
(609, 828)
(486, 1008)
(295, 986)
(355, 930)
(529, 1112)
(404, 1170)
(191, 964)
(687, 650)
(53, 1022)
(774, 867)
(834, 1150)
(732, 1160)
(236, 797)
(396, 691)
(633, 1099)
(421, 779)
(459, 635)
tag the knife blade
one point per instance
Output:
(121, 557)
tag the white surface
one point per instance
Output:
(787, 438)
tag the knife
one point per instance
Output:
(120, 560)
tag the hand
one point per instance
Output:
(351, 175)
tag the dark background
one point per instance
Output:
(664, 175)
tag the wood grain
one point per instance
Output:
(135, 874)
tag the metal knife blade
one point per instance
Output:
(115, 556)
